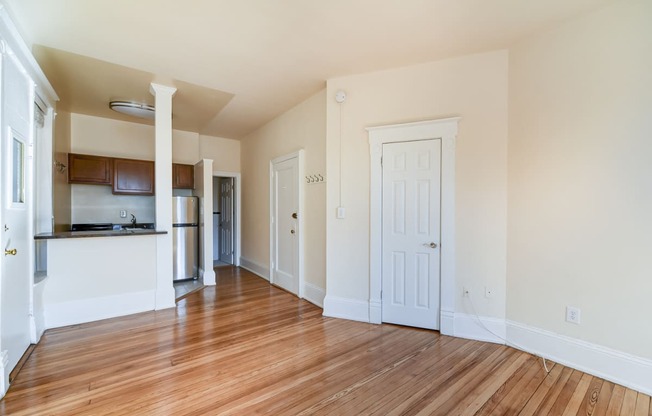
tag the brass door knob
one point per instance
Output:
(11, 252)
(294, 215)
(292, 231)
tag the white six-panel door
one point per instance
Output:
(411, 233)
(226, 220)
(285, 208)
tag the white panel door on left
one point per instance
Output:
(17, 168)
(411, 233)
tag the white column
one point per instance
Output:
(163, 187)
(207, 221)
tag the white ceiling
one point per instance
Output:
(273, 54)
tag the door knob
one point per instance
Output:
(294, 215)
(292, 231)
(11, 252)
(431, 245)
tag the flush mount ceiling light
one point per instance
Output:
(133, 109)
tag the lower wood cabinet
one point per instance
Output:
(133, 177)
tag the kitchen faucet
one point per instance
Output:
(133, 220)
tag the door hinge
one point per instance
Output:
(381, 161)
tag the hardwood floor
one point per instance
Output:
(244, 347)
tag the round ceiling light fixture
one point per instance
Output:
(131, 108)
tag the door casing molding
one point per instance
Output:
(446, 131)
(300, 155)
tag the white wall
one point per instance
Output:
(580, 178)
(473, 87)
(303, 127)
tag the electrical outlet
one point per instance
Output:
(123, 213)
(488, 292)
(465, 292)
(573, 314)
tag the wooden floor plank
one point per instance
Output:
(642, 405)
(245, 347)
(576, 399)
(629, 402)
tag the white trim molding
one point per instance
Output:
(446, 131)
(613, 365)
(4, 380)
(95, 309)
(255, 268)
(314, 294)
(343, 308)
(479, 328)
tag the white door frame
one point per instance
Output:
(237, 210)
(446, 130)
(300, 155)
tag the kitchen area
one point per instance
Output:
(103, 257)
(123, 150)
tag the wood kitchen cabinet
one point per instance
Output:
(133, 177)
(183, 176)
(89, 169)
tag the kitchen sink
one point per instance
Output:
(132, 227)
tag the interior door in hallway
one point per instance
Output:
(285, 207)
(16, 227)
(411, 233)
(226, 220)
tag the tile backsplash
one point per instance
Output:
(96, 203)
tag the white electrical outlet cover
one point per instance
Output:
(573, 315)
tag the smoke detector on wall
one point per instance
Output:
(131, 108)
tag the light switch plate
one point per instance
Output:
(123, 213)
(341, 212)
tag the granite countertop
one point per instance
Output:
(87, 234)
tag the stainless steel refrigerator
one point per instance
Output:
(185, 219)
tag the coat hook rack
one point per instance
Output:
(315, 178)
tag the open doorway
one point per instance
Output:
(226, 219)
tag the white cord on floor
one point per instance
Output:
(508, 343)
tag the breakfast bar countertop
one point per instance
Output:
(100, 233)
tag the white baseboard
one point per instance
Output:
(4, 379)
(94, 309)
(616, 366)
(351, 309)
(481, 328)
(314, 294)
(447, 322)
(207, 276)
(255, 268)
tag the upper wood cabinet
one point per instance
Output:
(133, 177)
(90, 169)
(183, 176)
